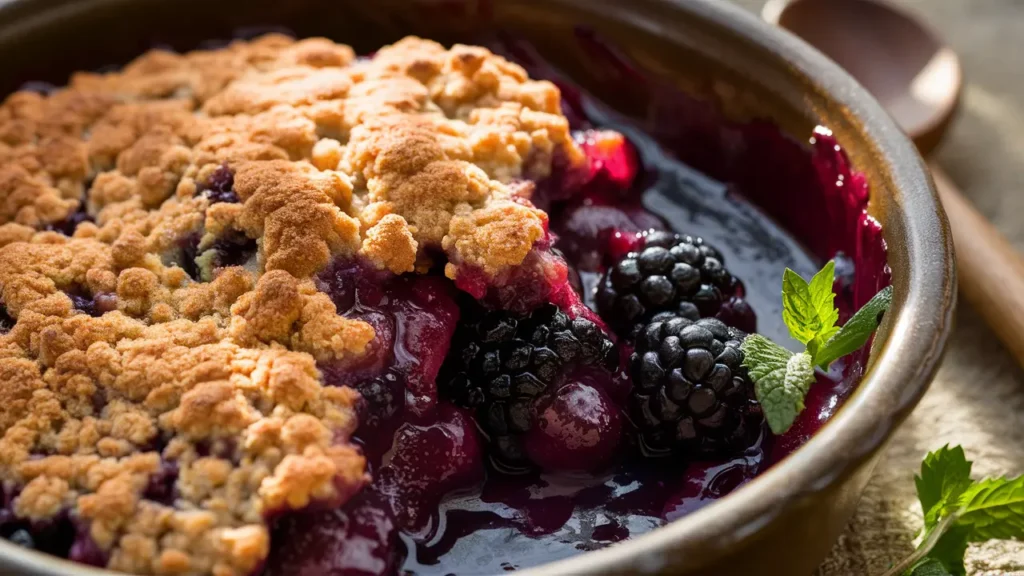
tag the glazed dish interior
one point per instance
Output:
(473, 362)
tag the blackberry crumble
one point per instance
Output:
(270, 308)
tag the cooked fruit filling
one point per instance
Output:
(269, 308)
(220, 186)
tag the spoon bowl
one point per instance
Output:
(901, 61)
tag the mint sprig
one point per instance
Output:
(958, 511)
(781, 378)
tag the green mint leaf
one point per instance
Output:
(940, 553)
(949, 552)
(993, 509)
(781, 380)
(823, 300)
(856, 331)
(930, 567)
(958, 512)
(797, 309)
(808, 309)
(945, 475)
(764, 358)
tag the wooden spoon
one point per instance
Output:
(918, 80)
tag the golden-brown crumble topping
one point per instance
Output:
(212, 382)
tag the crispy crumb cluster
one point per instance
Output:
(127, 370)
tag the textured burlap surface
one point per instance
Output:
(977, 400)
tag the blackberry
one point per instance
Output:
(43, 88)
(670, 273)
(233, 248)
(691, 394)
(501, 364)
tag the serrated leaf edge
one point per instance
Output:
(976, 509)
(781, 380)
(797, 308)
(935, 469)
(822, 300)
(762, 356)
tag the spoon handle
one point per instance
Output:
(989, 269)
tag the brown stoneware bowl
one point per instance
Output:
(783, 522)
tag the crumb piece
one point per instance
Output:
(283, 310)
(293, 208)
(390, 244)
(496, 236)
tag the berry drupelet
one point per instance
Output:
(670, 273)
(500, 365)
(691, 394)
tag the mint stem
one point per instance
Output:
(926, 546)
(857, 330)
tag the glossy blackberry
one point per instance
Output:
(499, 365)
(54, 535)
(670, 273)
(43, 88)
(691, 395)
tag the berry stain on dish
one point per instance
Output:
(413, 313)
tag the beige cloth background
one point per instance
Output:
(977, 400)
